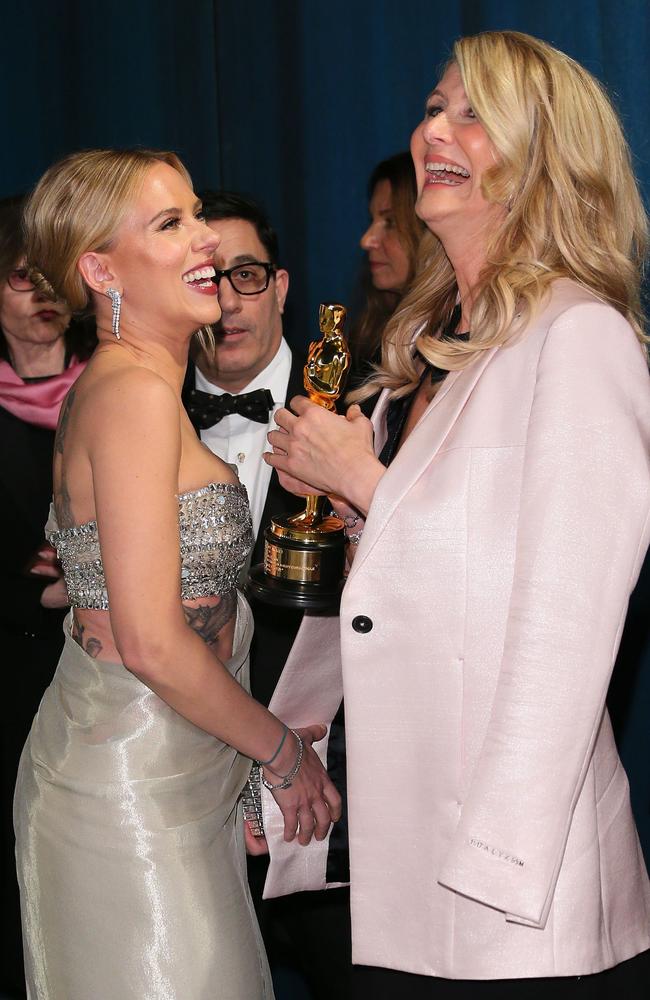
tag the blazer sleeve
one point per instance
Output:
(582, 534)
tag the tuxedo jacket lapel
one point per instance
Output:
(278, 500)
(188, 384)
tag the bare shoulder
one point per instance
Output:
(115, 422)
(130, 391)
(130, 411)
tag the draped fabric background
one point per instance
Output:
(295, 101)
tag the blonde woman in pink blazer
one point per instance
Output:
(491, 836)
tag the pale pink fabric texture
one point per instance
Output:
(491, 834)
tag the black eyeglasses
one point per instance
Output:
(19, 280)
(250, 278)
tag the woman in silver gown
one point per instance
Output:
(130, 842)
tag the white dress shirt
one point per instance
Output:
(242, 442)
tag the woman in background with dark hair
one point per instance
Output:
(391, 243)
(41, 355)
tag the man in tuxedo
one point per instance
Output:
(231, 397)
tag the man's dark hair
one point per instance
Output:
(231, 205)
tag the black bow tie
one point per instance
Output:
(206, 409)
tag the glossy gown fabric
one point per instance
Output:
(499, 552)
(130, 844)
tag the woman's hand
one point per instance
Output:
(55, 595)
(46, 564)
(254, 845)
(312, 803)
(297, 486)
(317, 451)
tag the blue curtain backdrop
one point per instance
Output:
(295, 102)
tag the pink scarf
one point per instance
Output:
(37, 403)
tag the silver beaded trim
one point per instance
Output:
(252, 803)
(216, 535)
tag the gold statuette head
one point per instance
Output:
(328, 359)
(331, 318)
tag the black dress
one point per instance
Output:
(31, 638)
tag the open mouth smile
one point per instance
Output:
(445, 172)
(199, 279)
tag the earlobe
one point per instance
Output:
(95, 272)
(281, 288)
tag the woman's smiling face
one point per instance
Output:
(451, 152)
(162, 255)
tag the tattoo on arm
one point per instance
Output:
(207, 620)
(93, 646)
(62, 502)
(63, 506)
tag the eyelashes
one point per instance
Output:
(433, 110)
(174, 221)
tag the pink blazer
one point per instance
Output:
(491, 834)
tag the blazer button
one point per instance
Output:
(361, 623)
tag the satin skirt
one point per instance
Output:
(130, 851)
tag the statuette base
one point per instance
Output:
(302, 568)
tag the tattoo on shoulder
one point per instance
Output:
(64, 420)
(207, 620)
(63, 505)
(90, 645)
(62, 501)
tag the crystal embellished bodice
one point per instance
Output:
(216, 536)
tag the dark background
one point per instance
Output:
(295, 102)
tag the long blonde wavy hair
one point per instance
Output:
(572, 208)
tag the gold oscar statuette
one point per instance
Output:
(304, 554)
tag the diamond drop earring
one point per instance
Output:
(116, 299)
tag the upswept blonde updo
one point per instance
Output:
(76, 207)
(571, 207)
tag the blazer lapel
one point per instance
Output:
(421, 446)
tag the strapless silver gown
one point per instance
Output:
(130, 848)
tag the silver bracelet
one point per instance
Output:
(355, 538)
(285, 730)
(349, 520)
(287, 781)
